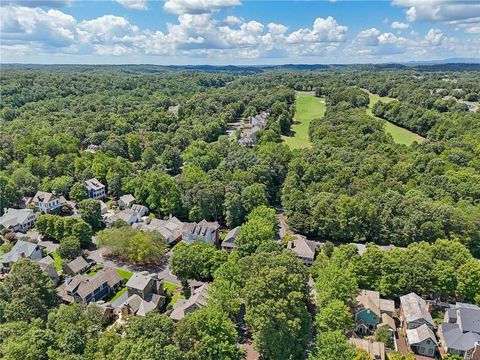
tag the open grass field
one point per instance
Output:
(399, 134)
(308, 107)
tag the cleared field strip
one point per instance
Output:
(308, 107)
(400, 135)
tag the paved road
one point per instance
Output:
(162, 269)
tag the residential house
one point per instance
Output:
(92, 148)
(84, 289)
(145, 293)
(303, 248)
(46, 201)
(170, 229)
(46, 264)
(371, 311)
(103, 207)
(228, 243)
(21, 249)
(95, 189)
(375, 349)
(460, 332)
(414, 312)
(127, 215)
(185, 306)
(77, 266)
(140, 209)
(208, 232)
(422, 340)
(17, 219)
(249, 132)
(126, 201)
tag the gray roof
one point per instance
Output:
(139, 208)
(21, 249)
(140, 306)
(14, 217)
(460, 305)
(419, 334)
(140, 281)
(170, 229)
(94, 184)
(202, 228)
(469, 319)
(303, 247)
(415, 308)
(229, 240)
(455, 339)
(89, 284)
(127, 198)
(77, 265)
(199, 299)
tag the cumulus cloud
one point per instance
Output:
(439, 10)
(323, 30)
(434, 37)
(134, 4)
(399, 25)
(180, 7)
(463, 13)
(38, 3)
(53, 27)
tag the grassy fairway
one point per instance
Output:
(399, 134)
(308, 107)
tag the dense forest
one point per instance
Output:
(161, 135)
(354, 184)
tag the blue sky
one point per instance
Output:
(236, 31)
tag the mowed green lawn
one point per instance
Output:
(308, 107)
(399, 134)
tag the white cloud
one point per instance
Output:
(323, 30)
(115, 50)
(106, 29)
(368, 37)
(180, 7)
(434, 37)
(462, 13)
(37, 3)
(439, 10)
(233, 20)
(277, 29)
(399, 25)
(53, 27)
(133, 4)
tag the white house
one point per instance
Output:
(203, 231)
(46, 202)
(95, 189)
(18, 219)
(21, 249)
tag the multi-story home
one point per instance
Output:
(145, 294)
(17, 219)
(418, 324)
(460, 331)
(371, 311)
(95, 189)
(303, 248)
(21, 249)
(85, 289)
(208, 232)
(46, 202)
(185, 306)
